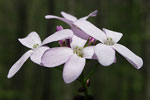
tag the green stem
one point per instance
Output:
(91, 73)
(86, 94)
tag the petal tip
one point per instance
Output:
(140, 64)
(47, 16)
(95, 12)
(9, 76)
(66, 80)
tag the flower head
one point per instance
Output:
(105, 51)
(37, 47)
(74, 58)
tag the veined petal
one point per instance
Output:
(73, 68)
(88, 52)
(68, 16)
(56, 56)
(37, 54)
(105, 54)
(15, 68)
(77, 42)
(59, 18)
(91, 30)
(31, 40)
(116, 36)
(92, 14)
(59, 35)
(135, 60)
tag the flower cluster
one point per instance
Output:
(76, 45)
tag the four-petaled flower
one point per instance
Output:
(105, 51)
(70, 20)
(74, 58)
(37, 47)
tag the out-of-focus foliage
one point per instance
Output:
(120, 81)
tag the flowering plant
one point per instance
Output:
(77, 44)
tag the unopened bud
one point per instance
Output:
(61, 42)
(92, 40)
(88, 82)
(68, 41)
(58, 28)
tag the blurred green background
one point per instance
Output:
(120, 81)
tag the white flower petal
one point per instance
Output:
(68, 16)
(37, 54)
(30, 40)
(92, 14)
(88, 52)
(59, 35)
(59, 18)
(77, 42)
(105, 54)
(56, 56)
(73, 68)
(135, 60)
(116, 36)
(91, 30)
(15, 68)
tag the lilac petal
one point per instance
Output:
(15, 68)
(116, 36)
(30, 40)
(68, 16)
(105, 54)
(37, 54)
(56, 56)
(92, 14)
(135, 60)
(73, 68)
(59, 18)
(78, 32)
(59, 35)
(77, 42)
(88, 52)
(91, 30)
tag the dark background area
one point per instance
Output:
(120, 81)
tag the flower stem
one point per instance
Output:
(91, 73)
(83, 83)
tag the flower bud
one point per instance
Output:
(61, 42)
(92, 40)
(68, 41)
(88, 82)
(58, 28)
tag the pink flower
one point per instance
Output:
(105, 51)
(74, 58)
(37, 47)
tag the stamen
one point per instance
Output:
(35, 46)
(109, 41)
(78, 51)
